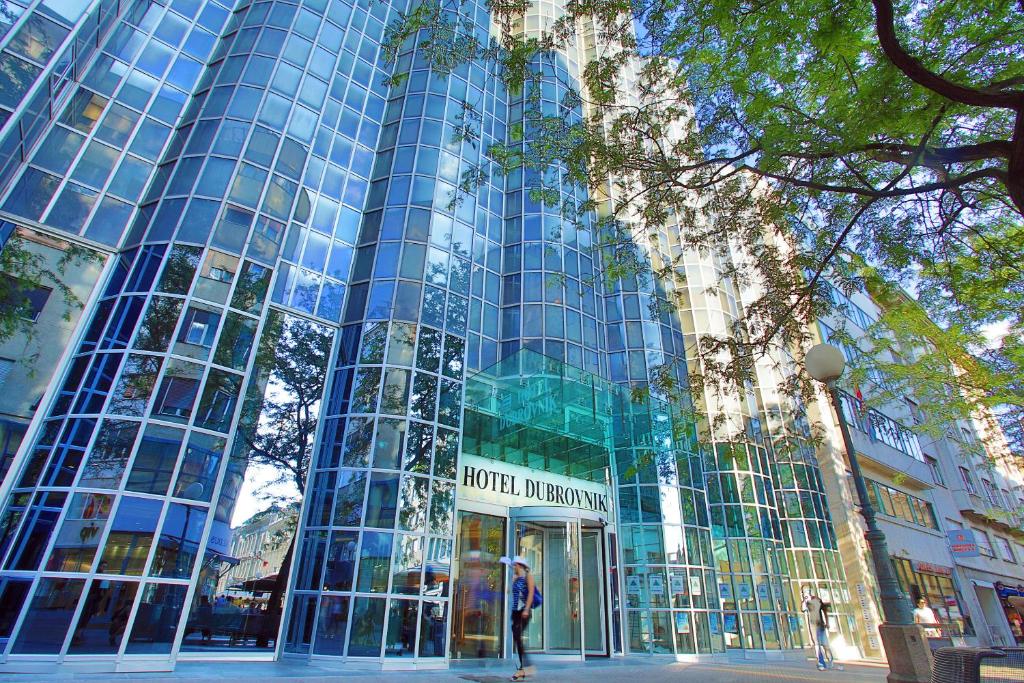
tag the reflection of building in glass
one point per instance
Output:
(290, 288)
(259, 545)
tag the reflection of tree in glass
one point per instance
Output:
(181, 267)
(278, 428)
(158, 325)
(136, 385)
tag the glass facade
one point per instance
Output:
(297, 285)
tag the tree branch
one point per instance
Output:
(885, 25)
(996, 173)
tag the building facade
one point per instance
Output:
(292, 270)
(934, 489)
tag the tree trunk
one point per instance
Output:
(275, 604)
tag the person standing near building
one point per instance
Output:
(524, 591)
(817, 626)
(925, 615)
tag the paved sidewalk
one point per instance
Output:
(650, 671)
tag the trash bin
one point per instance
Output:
(960, 664)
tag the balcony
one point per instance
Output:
(886, 443)
(977, 508)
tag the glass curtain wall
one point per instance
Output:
(121, 515)
(383, 485)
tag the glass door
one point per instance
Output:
(562, 599)
(592, 581)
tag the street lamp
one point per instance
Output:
(906, 648)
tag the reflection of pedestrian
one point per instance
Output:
(523, 590)
(97, 603)
(119, 619)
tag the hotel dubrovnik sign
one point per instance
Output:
(492, 481)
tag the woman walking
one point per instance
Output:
(524, 590)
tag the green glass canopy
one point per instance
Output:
(535, 411)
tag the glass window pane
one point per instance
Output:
(80, 533)
(341, 561)
(401, 636)
(32, 194)
(117, 125)
(72, 207)
(197, 332)
(408, 565)
(158, 323)
(236, 341)
(131, 535)
(374, 562)
(330, 633)
(433, 629)
(200, 467)
(178, 545)
(48, 618)
(177, 395)
(13, 593)
(389, 443)
(155, 460)
(156, 621)
(16, 77)
(130, 178)
(367, 627)
(104, 616)
(382, 501)
(58, 150)
(348, 509)
(109, 455)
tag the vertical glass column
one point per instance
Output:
(385, 467)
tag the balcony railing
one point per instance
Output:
(879, 426)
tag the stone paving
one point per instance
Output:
(649, 671)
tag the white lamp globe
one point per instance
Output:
(825, 363)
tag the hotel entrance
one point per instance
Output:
(534, 479)
(567, 550)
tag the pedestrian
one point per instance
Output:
(524, 597)
(925, 615)
(816, 610)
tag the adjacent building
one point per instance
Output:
(292, 276)
(948, 498)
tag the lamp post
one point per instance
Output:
(906, 647)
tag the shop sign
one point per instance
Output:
(929, 568)
(657, 584)
(696, 587)
(633, 585)
(962, 543)
(501, 483)
(677, 584)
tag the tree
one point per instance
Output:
(279, 419)
(799, 132)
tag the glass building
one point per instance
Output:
(298, 301)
